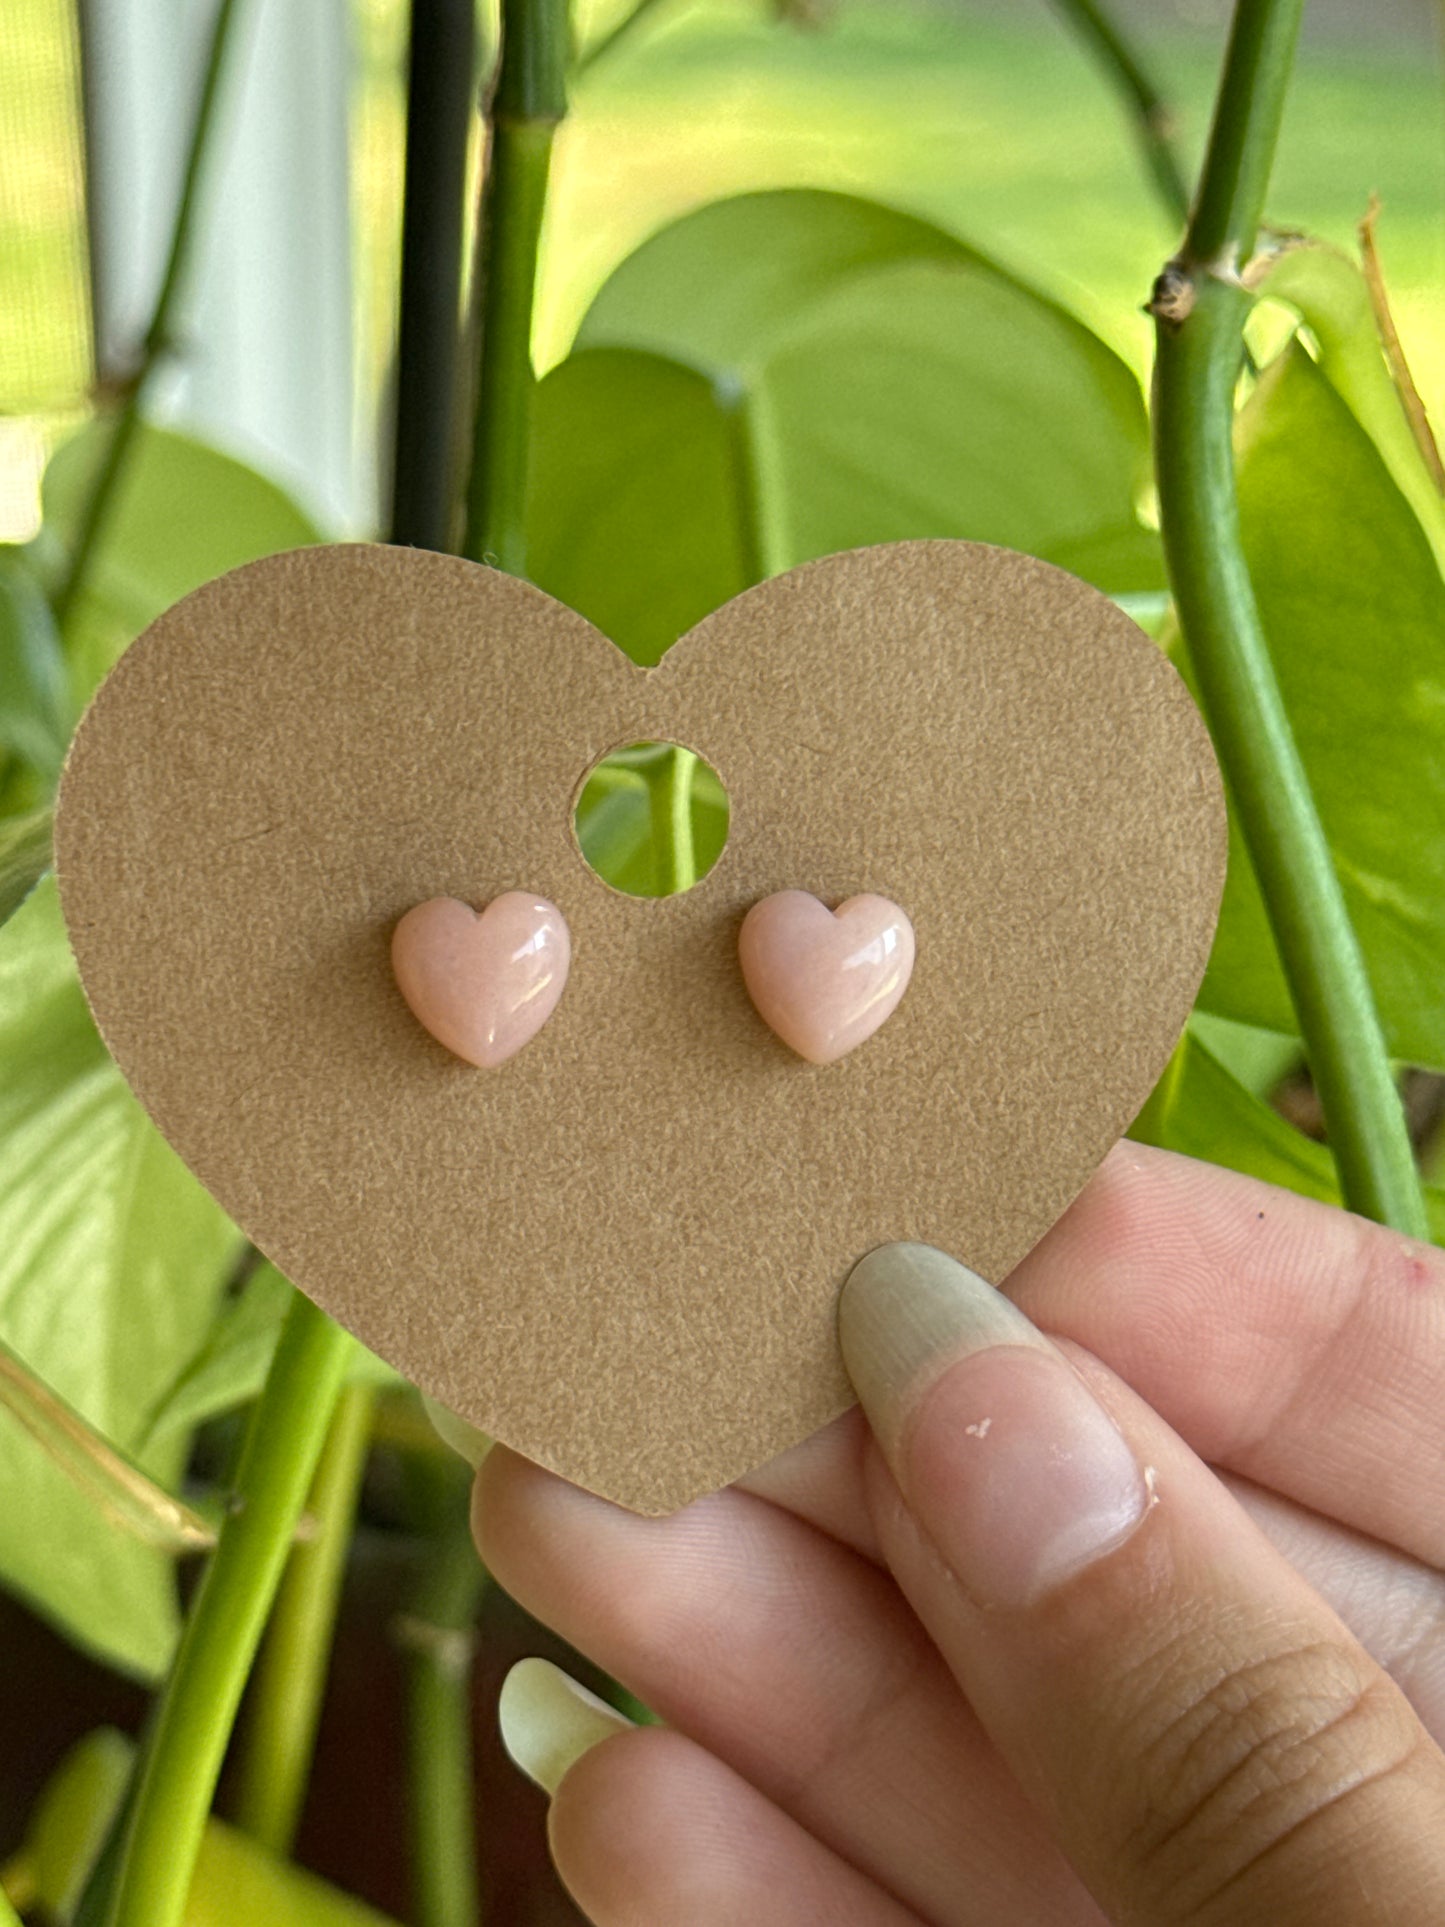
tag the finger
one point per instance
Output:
(1393, 1604)
(796, 1663)
(647, 1826)
(1290, 1341)
(821, 1481)
(1208, 1741)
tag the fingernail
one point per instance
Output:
(459, 1433)
(548, 1721)
(1016, 1472)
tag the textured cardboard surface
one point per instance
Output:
(621, 1251)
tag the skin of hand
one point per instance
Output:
(1122, 1603)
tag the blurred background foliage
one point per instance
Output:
(964, 254)
(986, 118)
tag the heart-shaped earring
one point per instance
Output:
(483, 985)
(824, 980)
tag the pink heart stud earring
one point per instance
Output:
(483, 985)
(824, 980)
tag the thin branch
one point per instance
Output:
(290, 1681)
(1243, 135)
(157, 341)
(1153, 122)
(191, 1722)
(440, 92)
(528, 100)
(128, 1497)
(1200, 305)
(437, 1637)
(670, 800)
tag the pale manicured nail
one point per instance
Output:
(1015, 1471)
(548, 1721)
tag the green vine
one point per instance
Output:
(1100, 33)
(157, 341)
(191, 1722)
(438, 1637)
(290, 1680)
(1200, 305)
(529, 98)
(672, 835)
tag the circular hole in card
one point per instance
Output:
(652, 819)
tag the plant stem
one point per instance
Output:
(191, 1723)
(760, 554)
(291, 1677)
(528, 99)
(672, 840)
(438, 1638)
(440, 81)
(1200, 308)
(157, 340)
(606, 43)
(1099, 32)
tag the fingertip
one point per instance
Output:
(511, 1497)
(600, 1846)
(649, 1826)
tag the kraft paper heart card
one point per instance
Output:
(591, 1168)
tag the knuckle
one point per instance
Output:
(1257, 1761)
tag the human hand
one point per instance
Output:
(1003, 1662)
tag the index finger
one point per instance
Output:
(1287, 1341)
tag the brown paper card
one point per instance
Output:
(621, 1251)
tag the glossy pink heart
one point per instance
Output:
(823, 979)
(482, 985)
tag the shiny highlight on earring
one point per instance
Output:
(482, 984)
(824, 980)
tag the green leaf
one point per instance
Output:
(1199, 1109)
(1354, 610)
(1260, 1060)
(109, 1478)
(35, 714)
(787, 374)
(934, 399)
(230, 1367)
(724, 281)
(25, 856)
(623, 444)
(183, 514)
(1329, 293)
(111, 1259)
